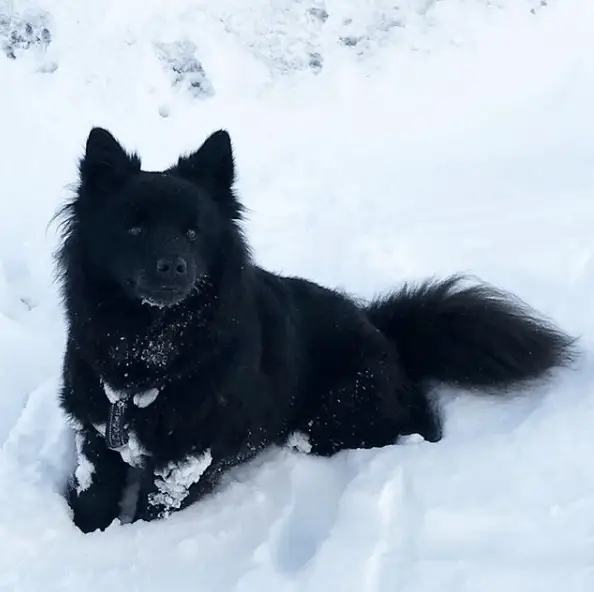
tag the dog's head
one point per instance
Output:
(156, 234)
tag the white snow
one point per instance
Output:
(299, 442)
(174, 481)
(84, 467)
(132, 452)
(145, 398)
(376, 141)
(100, 427)
(112, 395)
(152, 303)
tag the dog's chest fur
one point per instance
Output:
(154, 350)
(142, 368)
(138, 366)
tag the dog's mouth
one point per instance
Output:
(159, 292)
(163, 296)
(159, 296)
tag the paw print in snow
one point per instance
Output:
(187, 71)
(18, 35)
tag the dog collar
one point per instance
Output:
(116, 429)
(116, 432)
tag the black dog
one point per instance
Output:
(184, 358)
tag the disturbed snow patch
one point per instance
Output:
(20, 32)
(186, 69)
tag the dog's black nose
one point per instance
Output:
(172, 267)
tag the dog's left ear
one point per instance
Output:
(212, 164)
(105, 165)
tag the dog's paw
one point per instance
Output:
(172, 485)
(87, 521)
(152, 511)
(173, 482)
(89, 511)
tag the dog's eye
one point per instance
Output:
(135, 230)
(191, 234)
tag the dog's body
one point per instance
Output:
(185, 359)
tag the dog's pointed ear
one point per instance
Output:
(212, 164)
(106, 164)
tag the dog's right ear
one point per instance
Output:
(106, 164)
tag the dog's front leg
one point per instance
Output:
(179, 485)
(176, 485)
(97, 485)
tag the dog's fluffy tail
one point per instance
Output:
(472, 336)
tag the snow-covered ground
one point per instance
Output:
(374, 144)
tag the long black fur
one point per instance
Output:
(472, 336)
(248, 357)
